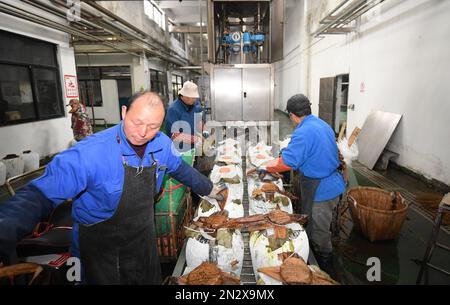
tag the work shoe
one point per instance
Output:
(325, 261)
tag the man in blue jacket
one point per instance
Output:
(113, 177)
(187, 111)
(313, 152)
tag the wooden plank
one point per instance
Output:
(342, 131)
(446, 199)
(353, 136)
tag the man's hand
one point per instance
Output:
(217, 190)
(185, 138)
(260, 171)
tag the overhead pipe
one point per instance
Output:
(152, 51)
(359, 13)
(108, 13)
(17, 12)
(323, 21)
(349, 14)
(62, 13)
(120, 20)
(132, 27)
(347, 10)
(189, 68)
(159, 53)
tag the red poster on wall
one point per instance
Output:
(71, 85)
(362, 87)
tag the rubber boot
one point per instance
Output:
(325, 261)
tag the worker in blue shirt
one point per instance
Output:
(313, 152)
(184, 119)
(113, 177)
(185, 122)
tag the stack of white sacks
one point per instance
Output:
(266, 250)
(228, 245)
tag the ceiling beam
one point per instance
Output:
(187, 29)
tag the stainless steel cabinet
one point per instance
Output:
(242, 93)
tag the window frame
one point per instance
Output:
(160, 80)
(178, 83)
(34, 90)
(162, 16)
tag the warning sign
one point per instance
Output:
(71, 85)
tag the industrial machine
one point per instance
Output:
(241, 54)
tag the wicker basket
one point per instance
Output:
(378, 213)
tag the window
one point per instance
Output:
(30, 88)
(91, 92)
(176, 35)
(90, 87)
(153, 12)
(177, 84)
(157, 82)
(180, 38)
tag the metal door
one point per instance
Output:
(227, 94)
(256, 92)
(327, 100)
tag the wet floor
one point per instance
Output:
(397, 257)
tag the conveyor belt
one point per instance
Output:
(247, 274)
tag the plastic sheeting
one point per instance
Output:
(263, 256)
(264, 206)
(260, 251)
(229, 152)
(349, 153)
(229, 259)
(285, 142)
(259, 154)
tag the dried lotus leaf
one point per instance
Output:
(225, 238)
(273, 272)
(205, 274)
(295, 271)
(205, 205)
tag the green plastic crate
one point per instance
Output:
(164, 208)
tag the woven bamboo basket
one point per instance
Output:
(378, 213)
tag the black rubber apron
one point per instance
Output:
(122, 249)
(308, 188)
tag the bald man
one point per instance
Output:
(113, 177)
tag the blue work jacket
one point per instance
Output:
(313, 151)
(179, 111)
(92, 174)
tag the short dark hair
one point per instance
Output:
(137, 95)
(299, 105)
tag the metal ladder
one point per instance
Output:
(444, 207)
